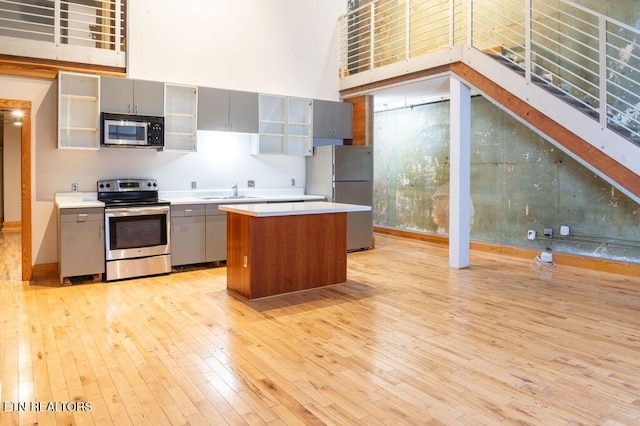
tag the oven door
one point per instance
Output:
(125, 132)
(133, 232)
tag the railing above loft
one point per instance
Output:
(589, 60)
(89, 32)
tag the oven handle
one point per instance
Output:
(136, 211)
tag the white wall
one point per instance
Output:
(269, 46)
(1, 167)
(36, 90)
(222, 160)
(1, 182)
(11, 174)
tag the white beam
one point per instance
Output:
(459, 174)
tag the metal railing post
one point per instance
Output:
(469, 4)
(373, 42)
(56, 22)
(407, 41)
(118, 27)
(602, 78)
(528, 16)
(452, 15)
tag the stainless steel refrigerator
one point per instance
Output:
(344, 174)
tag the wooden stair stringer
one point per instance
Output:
(606, 165)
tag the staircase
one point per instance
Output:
(549, 86)
(578, 70)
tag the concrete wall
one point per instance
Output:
(268, 46)
(519, 182)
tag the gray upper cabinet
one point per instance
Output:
(243, 111)
(130, 96)
(332, 119)
(227, 110)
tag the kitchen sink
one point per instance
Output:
(226, 197)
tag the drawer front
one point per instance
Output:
(188, 210)
(82, 215)
(213, 210)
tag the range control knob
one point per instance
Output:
(155, 184)
(108, 185)
(101, 185)
(148, 183)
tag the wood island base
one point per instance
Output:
(273, 255)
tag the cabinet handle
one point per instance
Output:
(101, 230)
(173, 225)
(136, 109)
(231, 126)
(226, 125)
(82, 217)
(188, 212)
(129, 108)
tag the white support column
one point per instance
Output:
(459, 174)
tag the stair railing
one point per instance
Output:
(585, 58)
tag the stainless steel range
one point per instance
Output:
(137, 228)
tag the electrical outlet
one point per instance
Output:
(251, 183)
(531, 234)
(548, 232)
(564, 230)
(194, 184)
(74, 187)
(293, 182)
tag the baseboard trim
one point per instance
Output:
(414, 235)
(523, 253)
(11, 225)
(45, 271)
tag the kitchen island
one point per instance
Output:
(280, 248)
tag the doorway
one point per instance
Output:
(25, 181)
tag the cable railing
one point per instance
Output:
(585, 58)
(84, 31)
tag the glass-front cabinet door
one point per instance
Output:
(272, 114)
(299, 126)
(78, 111)
(180, 117)
(286, 125)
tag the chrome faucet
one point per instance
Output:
(235, 189)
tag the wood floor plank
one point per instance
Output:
(406, 340)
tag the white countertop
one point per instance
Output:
(78, 200)
(175, 201)
(292, 209)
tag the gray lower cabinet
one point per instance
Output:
(81, 242)
(332, 120)
(198, 234)
(187, 234)
(216, 245)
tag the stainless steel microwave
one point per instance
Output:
(127, 130)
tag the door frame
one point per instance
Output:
(25, 182)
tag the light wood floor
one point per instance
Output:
(406, 340)
(10, 254)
